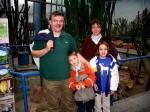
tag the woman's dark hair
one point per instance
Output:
(103, 42)
(56, 13)
(94, 21)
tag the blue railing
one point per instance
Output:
(23, 86)
(135, 58)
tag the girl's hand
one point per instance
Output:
(78, 87)
(112, 92)
(96, 87)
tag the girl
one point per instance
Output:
(106, 71)
(90, 45)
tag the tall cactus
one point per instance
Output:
(120, 25)
(77, 18)
(103, 10)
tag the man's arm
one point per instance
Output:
(39, 53)
(42, 52)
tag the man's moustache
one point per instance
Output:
(58, 25)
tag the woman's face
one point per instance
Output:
(96, 29)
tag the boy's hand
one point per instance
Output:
(96, 87)
(82, 86)
(78, 87)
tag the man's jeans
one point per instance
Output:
(59, 96)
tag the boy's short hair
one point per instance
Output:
(72, 53)
(56, 13)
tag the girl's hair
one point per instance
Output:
(104, 43)
(72, 53)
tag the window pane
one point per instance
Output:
(54, 1)
(30, 14)
(53, 8)
(48, 10)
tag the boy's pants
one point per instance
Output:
(59, 96)
(102, 103)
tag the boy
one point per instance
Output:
(81, 80)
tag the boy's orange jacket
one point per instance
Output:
(88, 82)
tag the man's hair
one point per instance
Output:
(72, 53)
(56, 13)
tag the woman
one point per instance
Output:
(90, 45)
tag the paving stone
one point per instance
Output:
(137, 103)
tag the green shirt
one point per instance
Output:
(55, 65)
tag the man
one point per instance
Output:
(54, 65)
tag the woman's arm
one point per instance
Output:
(83, 59)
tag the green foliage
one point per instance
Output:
(77, 17)
(120, 25)
(103, 10)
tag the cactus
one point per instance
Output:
(120, 25)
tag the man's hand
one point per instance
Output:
(49, 45)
